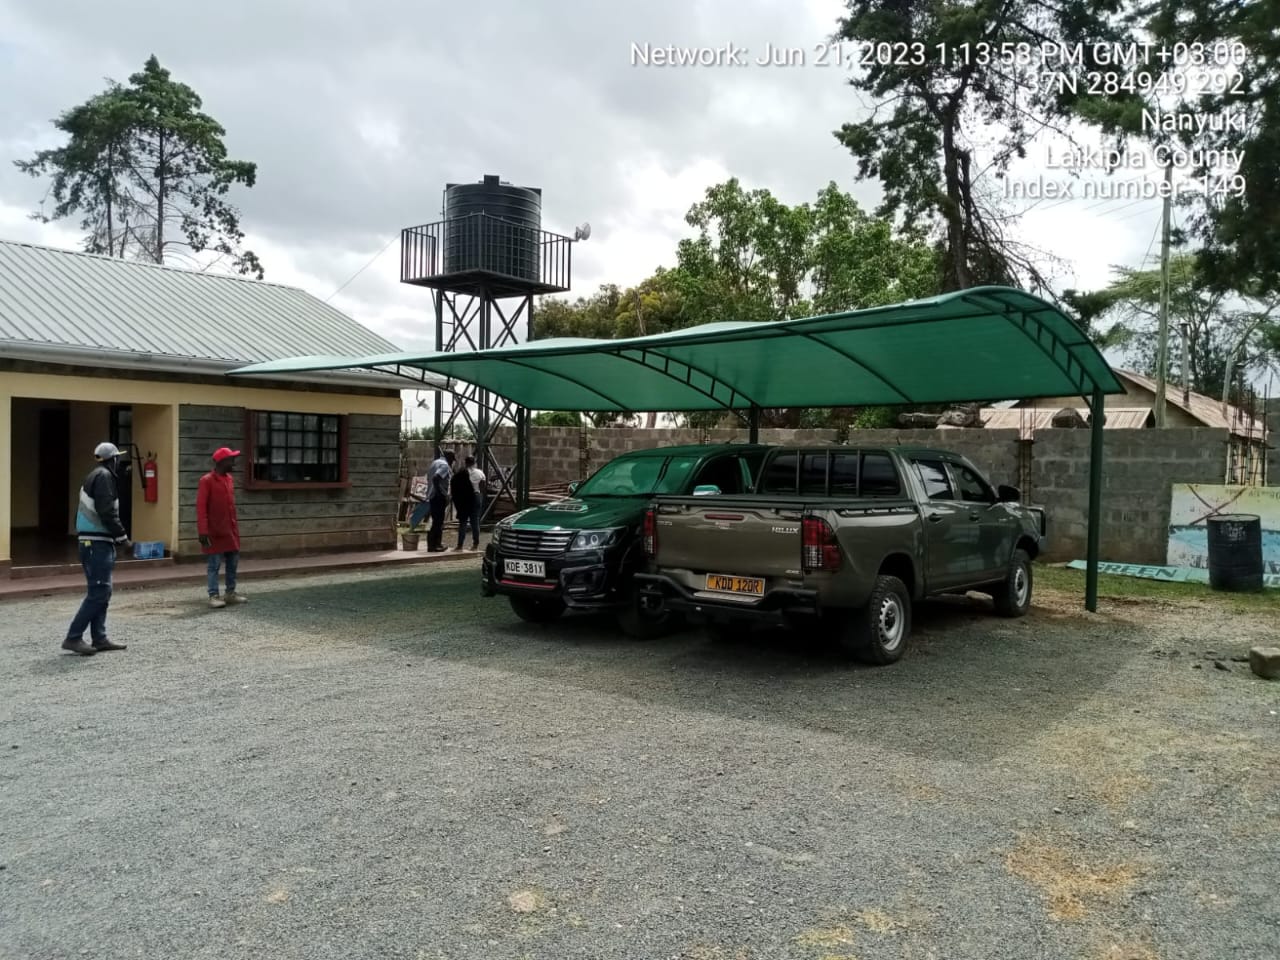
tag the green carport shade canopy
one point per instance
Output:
(985, 343)
(980, 344)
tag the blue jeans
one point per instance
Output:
(98, 558)
(215, 561)
(419, 512)
(471, 519)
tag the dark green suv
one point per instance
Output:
(581, 553)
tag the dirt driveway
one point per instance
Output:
(387, 765)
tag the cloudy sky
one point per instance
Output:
(358, 114)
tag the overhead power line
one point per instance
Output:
(371, 262)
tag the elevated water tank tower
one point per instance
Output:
(493, 226)
(484, 262)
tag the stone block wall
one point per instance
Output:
(1052, 470)
(295, 522)
(1139, 468)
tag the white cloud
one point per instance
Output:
(357, 116)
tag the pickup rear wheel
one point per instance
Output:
(878, 633)
(1013, 594)
(537, 609)
(639, 620)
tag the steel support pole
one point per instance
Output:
(1095, 503)
(753, 425)
(438, 297)
(482, 415)
(522, 458)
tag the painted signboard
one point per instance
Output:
(1193, 503)
(1170, 574)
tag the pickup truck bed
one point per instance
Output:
(853, 564)
(749, 553)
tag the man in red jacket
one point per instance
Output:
(217, 526)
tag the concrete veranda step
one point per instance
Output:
(148, 574)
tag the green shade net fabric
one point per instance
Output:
(981, 344)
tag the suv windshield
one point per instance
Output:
(638, 477)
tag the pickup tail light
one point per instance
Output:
(650, 534)
(819, 549)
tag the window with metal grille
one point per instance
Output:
(296, 449)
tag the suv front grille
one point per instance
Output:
(534, 543)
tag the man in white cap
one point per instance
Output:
(218, 526)
(100, 532)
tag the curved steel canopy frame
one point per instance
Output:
(1024, 313)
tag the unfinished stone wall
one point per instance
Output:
(1139, 468)
(1052, 470)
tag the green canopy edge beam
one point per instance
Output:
(1022, 318)
(690, 369)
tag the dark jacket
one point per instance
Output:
(464, 492)
(98, 517)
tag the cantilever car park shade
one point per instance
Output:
(985, 343)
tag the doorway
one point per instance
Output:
(121, 434)
(54, 470)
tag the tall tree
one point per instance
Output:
(1226, 334)
(946, 77)
(90, 172)
(756, 258)
(1235, 216)
(149, 173)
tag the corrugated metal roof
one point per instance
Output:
(64, 298)
(1028, 419)
(1205, 409)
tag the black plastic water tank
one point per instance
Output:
(506, 239)
(1235, 552)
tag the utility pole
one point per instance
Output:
(1186, 383)
(1162, 351)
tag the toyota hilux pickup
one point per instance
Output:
(581, 553)
(843, 540)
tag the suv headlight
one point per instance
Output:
(595, 539)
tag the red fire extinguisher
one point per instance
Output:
(149, 482)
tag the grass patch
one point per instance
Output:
(1114, 587)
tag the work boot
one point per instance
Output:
(104, 644)
(78, 646)
(217, 602)
(233, 597)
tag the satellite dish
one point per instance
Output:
(582, 232)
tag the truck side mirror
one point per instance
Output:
(706, 490)
(1008, 494)
(573, 486)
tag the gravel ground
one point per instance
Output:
(387, 765)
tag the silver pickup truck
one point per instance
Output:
(842, 539)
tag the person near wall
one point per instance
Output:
(218, 526)
(463, 489)
(441, 475)
(480, 483)
(100, 532)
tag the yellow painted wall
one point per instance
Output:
(6, 456)
(90, 424)
(155, 430)
(24, 452)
